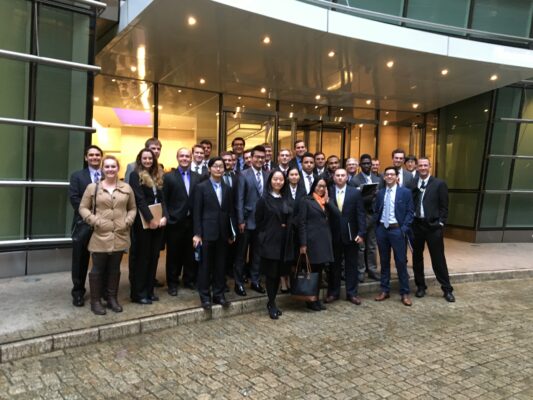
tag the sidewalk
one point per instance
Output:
(40, 306)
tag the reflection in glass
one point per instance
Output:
(446, 12)
(14, 93)
(462, 209)
(498, 173)
(520, 212)
(493, 211)
(525, 140)
(255, 129)
(15, 20)
(363, 140)
(52, 213)
(511, 17)
(13, 162)
(11, 213)
(523, 174)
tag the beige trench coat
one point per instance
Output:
(115, 214)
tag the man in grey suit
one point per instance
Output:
(404, 177)
(249, 189)
(368, 254)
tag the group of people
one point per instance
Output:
(243, 215)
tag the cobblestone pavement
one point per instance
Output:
(479, 347)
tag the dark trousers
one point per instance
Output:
(368, 258)
(211, 272)
(144, 266)
(433, 236)
(318, 268)
(245, 239)
(106, 263)
(180, 253)
(80, 265)
(395, 239)
(350, 254)
(272, 270)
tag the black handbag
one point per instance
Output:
(82, 232)
(304, 283)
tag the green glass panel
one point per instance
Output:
(503, 138)
(523, 174)
(462, 209)
(52, 213)
(58, 153)
(446, 12)
(498, 173)
(13, 161)
(14, 92)
(508, 104)
(15, 20)
(393, 7)
(512, 17)
(527, 110)
(61, 95)
(11, 213)
(493, 211)
(63, 34)
(525, 140)
(520, 213)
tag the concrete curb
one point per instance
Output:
(60, 341)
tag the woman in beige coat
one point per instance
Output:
(115, 213)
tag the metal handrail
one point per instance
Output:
(514, 157)
(424, 24)
(33, 183)
(92, 3)
(516, 191)
(14, 55)
(22, 242)
(26, 122)
(521, 120)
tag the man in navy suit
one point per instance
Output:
(430, 197)
(79, 181)
(249, 189)
(348, 227)
(393, 216)
(178, 188)
(404, 176)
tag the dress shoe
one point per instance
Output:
(226, 289)
(375, 276)
(143, 301)
(189, 285)
(239, 290)
(406, 300)
(206, 305)
(312, 305)
(382, 296)
(154, 297)
(449, 297)
(273, 311)
(361, 278)
(420, 292)
(321, 305)
(173, 291)
(222, 301)
(355, 300)
(257, 288)
(284, 291)
(78, 301)
(157, 283)
(331, 299)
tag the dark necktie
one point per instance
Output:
(421, 191)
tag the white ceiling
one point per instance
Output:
(225, 48)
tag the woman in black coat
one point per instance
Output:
(147, 183)
(314, 231)
(271, 216)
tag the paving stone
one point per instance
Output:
(158, 322)
(119, 330)
(75, 338)
(25, 348)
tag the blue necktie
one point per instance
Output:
(386, 210)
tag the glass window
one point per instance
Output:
(13, 161)
(59, 30)
(393, 7)
(12, 213)
(249, 104)
(462, 209)
(503, 138)
(508, 104)
(525, 140)
(512, 17)
(284, 134)
(527, 110)
(523, 174)
(61, 95)
(498, 173)
(52, 213)
(397, 130)
(363, 140)
(520, 212)
(14, 93)
(447, 12)
(493, 210)
(331, 142)
(255, 129)
(15, 21)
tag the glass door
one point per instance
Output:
(255, 129)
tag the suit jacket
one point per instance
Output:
(129, 169)
(272, 216)
(351, 221)
(294, 164)
(178, 202)
(403, 208)
(407, 178)
(435, 200)
(277, 168)
(79, 181)
(204, 172)
(314, 231)
(247, 196)
(212, 220)
(144, 196)
(368, 200)
(302, 183)
(273, 166)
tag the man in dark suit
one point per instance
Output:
(307, 173)
(351, 167)
(393, 216)
(237, 146)
(411, 163)
(430, 196)
(368, 256)
(197, 164)
(320, 163)
(404, 177)
(299, 150)
(207, 145)
(284, 158)
(231, 180)
(79, 181)
(269, 165)
(178, 187)
(348, 227)
(332, 164)
(375, 168)
(249, 189)
(213, 229)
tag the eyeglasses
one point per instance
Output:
(217, 166)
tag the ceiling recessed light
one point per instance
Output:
(361, 125)
(413, 87)
(385, 122)
(342, 109)
(202, 81)
(390, 64)
(113, 80)
(133, 68)
(386, 113)
(96, 98)
(444, 72)
(494, 77)
(316, 107)
(190, 104)
(331, 54)
(266, 40)
(268, 104)
(291, 114)
(317, 97)
(369, 101)
(239, 98)
(191, 20)
(263, 90)
(486, 110)
(179, 90)
(415, 105)
(159, 107)
(237, 109)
